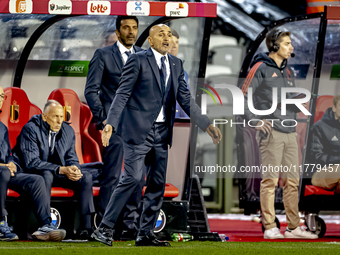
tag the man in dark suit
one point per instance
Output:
(103, 77)
(174, 51)
(29, 185)
(46, 146)
(143, 114)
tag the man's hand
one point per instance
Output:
(72, 172)
(215, 133)
(265, 128)
(12, 168)
(104, 122)
(106, 135)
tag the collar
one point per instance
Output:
(53, 132)
(45, 127)
(159, 55)
(334, 116)
(123, 49)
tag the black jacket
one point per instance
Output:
(102, 81)
(263, 77)
(139, 98)
(5, 147)
(325, 146)
(32, 147)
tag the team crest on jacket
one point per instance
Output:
(161, 222)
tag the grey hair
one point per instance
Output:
(49, 102)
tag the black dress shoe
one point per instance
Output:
(103, 235)
(128, 235)
(150, 240)
(84, 234)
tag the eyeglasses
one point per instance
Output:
(3, 97)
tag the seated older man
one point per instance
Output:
(26, 184)
(46, 146)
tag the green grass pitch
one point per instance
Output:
(194, 247)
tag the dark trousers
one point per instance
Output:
(151, 155)
(82, 187)
(109, 179)
(30, 185)
(113, 160)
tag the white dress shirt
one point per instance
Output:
(158, 56)
(123, 50)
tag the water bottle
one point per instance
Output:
(207, 236)
(181, 237)
(224, 237)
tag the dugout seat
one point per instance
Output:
(17, 110)
(170, 192)
(313, 190)
(79, 116)
(322, 104)
(96, 135)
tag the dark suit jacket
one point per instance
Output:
(32, 148)
(102, 82)
(139, 99)
(5, 147)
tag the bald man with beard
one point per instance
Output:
(142, 114)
